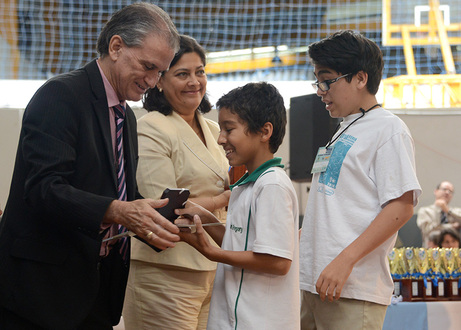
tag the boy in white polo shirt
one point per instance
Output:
(257, 280)
(361, 194)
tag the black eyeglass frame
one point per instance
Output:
(325, 85)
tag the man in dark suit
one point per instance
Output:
(55, 271)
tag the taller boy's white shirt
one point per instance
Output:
(373, 163)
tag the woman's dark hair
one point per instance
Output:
(448, 231)
(154, 100)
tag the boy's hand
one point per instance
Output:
(198, 238)
(192, 209)
(332, 279)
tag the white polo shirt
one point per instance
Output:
(262, 217)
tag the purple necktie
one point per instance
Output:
(119, 111)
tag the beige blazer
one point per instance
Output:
(171, 155)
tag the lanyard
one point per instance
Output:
(337, 127)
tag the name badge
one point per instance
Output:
(321, 160)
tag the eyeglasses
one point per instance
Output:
(325, 85)
(447, 190)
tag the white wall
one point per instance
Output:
(10, 125)
(438, 151)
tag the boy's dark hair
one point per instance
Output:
(257, 104)
(154, 100)
(350, 52)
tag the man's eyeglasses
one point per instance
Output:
(325, 85)
(447, 190)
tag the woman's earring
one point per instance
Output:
(160, 89)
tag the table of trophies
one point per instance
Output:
(426, 289)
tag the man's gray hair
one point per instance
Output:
(134, 23)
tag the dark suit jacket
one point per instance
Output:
(64, 180)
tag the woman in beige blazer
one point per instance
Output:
(177, 148)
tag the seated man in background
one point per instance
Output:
(432, 217)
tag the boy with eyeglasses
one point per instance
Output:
(364, 188)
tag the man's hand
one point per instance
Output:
(331, 281)
(140, 217)
(442, 203)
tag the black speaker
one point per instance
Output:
(311, 127)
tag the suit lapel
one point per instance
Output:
(206, 154)
(100, 108)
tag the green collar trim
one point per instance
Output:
(247, 178)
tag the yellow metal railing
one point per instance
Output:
(423, 34)
(250, 64)
(422, 91)
(413, 90)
